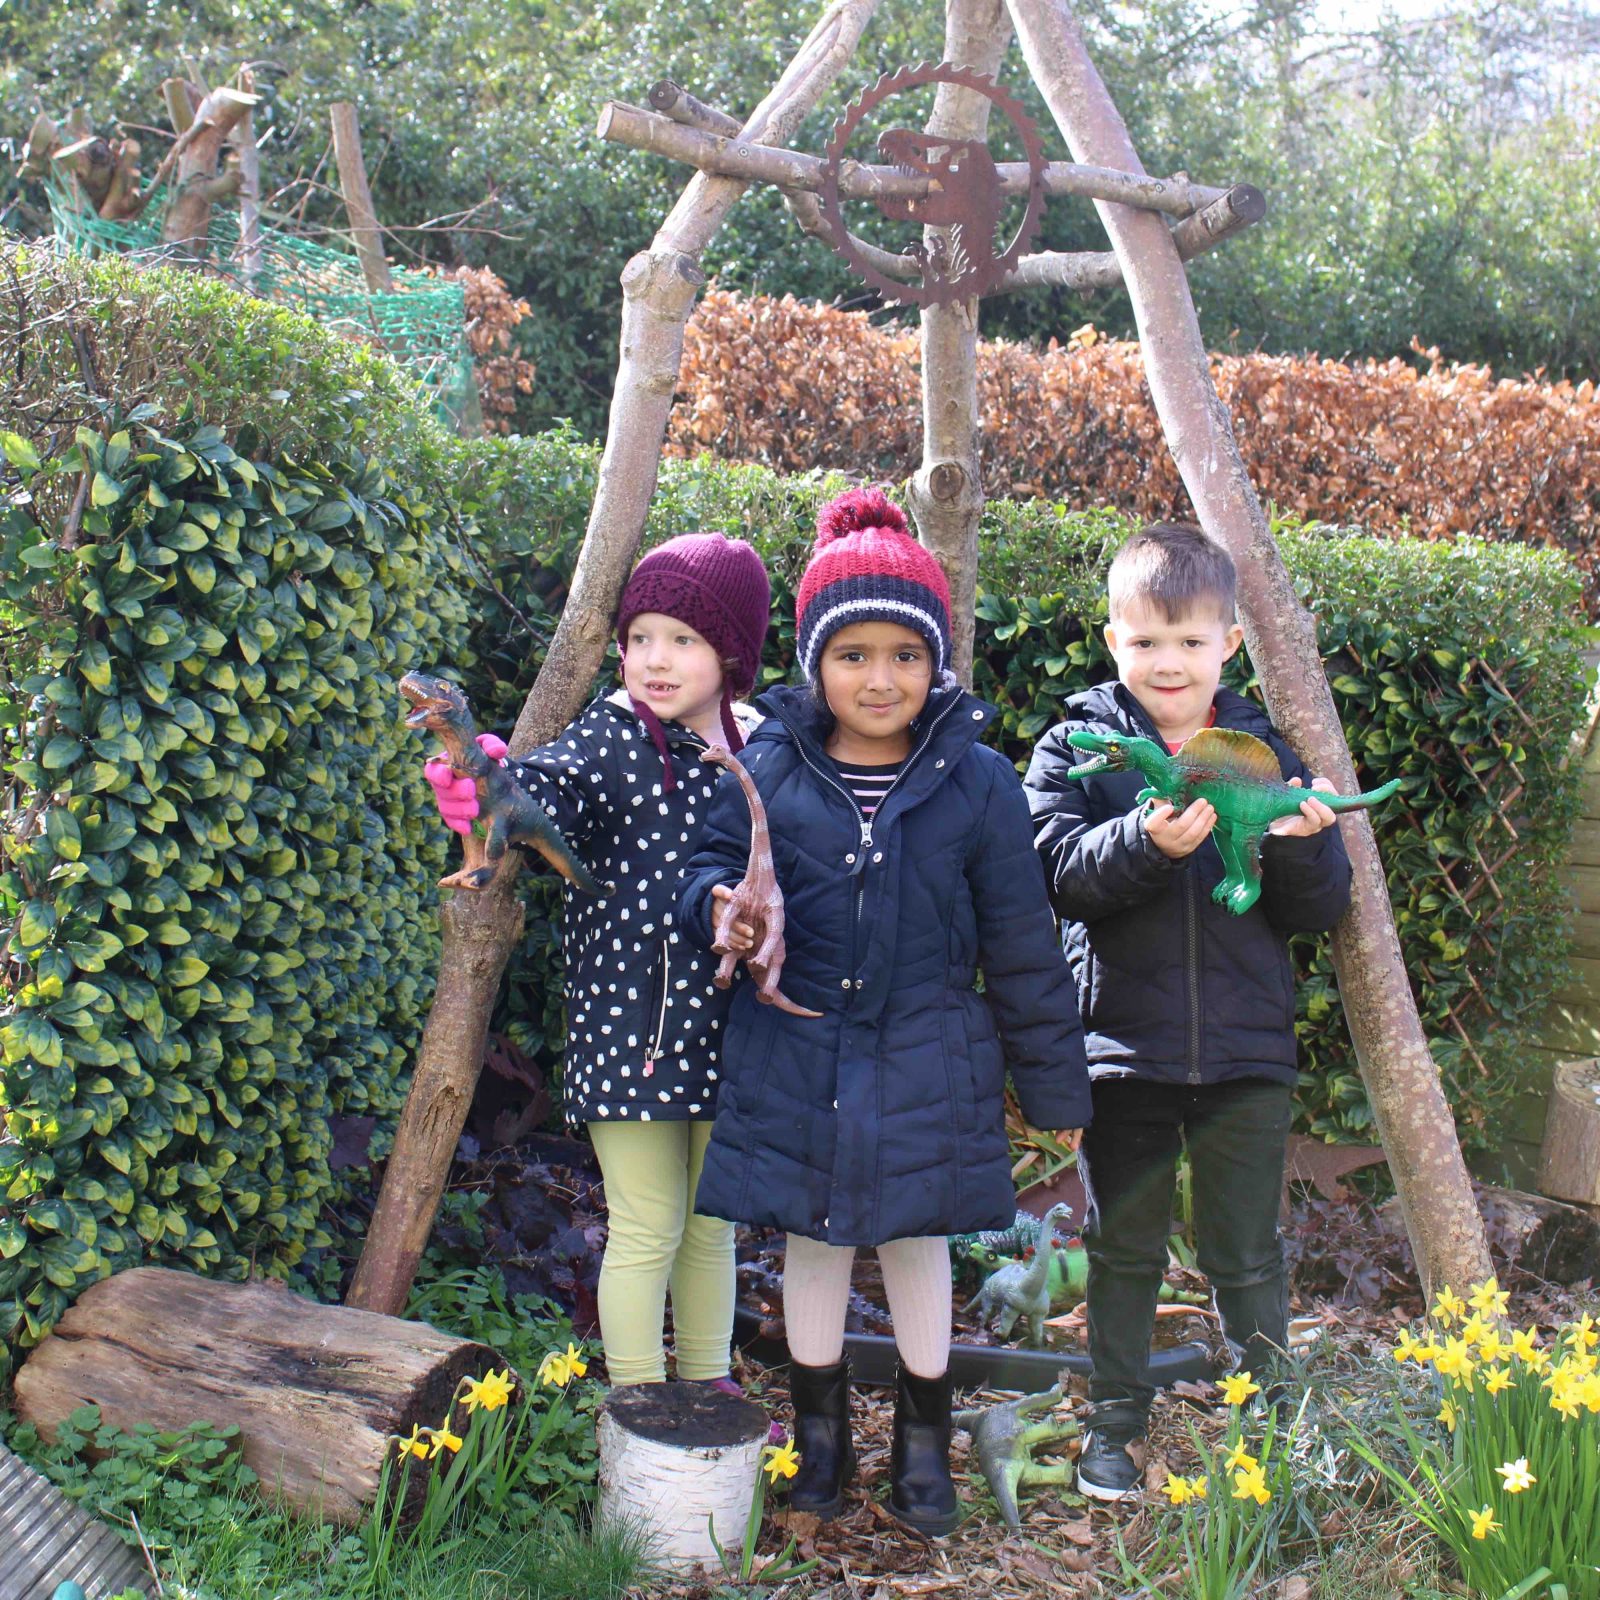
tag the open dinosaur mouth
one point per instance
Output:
(1096, 763)
(419, 717)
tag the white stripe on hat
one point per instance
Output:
(924, 622)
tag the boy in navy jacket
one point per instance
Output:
(1188, 1009)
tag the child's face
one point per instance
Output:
(875, 678)
(1172, 668)
(667, 666)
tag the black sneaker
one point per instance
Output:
(1106, 1468)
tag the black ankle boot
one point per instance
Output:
(920, 1491)
(821, 1398)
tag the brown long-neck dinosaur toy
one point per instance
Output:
(757, 901)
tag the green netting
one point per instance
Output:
(422, 324)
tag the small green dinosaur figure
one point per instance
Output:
(1238, 774)
(506, 811)
(1002, 1437)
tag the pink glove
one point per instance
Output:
(458, 797)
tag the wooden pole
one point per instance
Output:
(358, 198)
(480, 929)
(1413, 1116)
(947, 491)
(244, 140)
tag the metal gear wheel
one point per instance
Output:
(978, 276)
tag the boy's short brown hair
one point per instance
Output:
(1173, 568)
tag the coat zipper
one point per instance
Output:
(653, 1054)
(1191, 954)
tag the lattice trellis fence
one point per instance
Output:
(422, 324)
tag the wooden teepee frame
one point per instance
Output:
(660, 286)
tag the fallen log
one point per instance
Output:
(678, 1462)
(1569, 1162)
(315, 1391)
(1548, 1238)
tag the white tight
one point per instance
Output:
(916, 1277)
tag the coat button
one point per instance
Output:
(977, 716)
(877, 855)
(844, 983)
(858, 983)
(850, 860)
(939, 762)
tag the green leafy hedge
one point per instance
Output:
(1457, 666)
(218, 882)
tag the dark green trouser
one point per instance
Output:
(1236, 1134)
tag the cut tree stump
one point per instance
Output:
(1548, 1238)
(676, 1460)
(315, 1391)
(1569, 1163)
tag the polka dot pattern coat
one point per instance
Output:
(644, 1021)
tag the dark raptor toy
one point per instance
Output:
(507, 813)
(1238, 774)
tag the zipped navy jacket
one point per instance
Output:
(884, 1118)
(643, 1018)
(1172, 987)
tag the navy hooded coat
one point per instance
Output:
(884, 1119)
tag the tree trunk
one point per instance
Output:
(1569, 1163)
(1413, 1117)
(480, 929)
(678, 1463)
(947, 492)
(316, 1391)
(358, 198)
(199, 183)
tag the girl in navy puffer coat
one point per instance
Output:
(904, 852)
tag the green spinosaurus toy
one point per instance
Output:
(1238, 774)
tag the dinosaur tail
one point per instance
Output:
(1358, 802)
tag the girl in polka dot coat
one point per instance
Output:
(627, 785)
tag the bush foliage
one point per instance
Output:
(220, 935)
(218, 889)
(1440, 453)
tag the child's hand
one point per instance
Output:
(738, 937)
(1177, 836)
(458, 797)
(1314, 815)
(1072, 1138)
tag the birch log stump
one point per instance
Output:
(676, 1461)
(1569, 1163)
(315, 1391)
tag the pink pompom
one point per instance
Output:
(855, 510)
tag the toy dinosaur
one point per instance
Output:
(507, 813)
(1010, 1241)
(757, 901)
(1068, 1280)
(1002, 1436)
(1022, 1288)
(1238, 774)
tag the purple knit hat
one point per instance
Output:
(720, 588)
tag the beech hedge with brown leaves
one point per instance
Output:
(1436, 453)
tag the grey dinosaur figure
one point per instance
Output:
(1002, 1437)
(1022, 1288)
(1010, 1241)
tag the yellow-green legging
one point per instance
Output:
(650, 1171)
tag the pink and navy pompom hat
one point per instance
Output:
(868, 567)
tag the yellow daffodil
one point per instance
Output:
(1589, 1392)
(1448, 1415)
(1491, 1347)
(1239, 1458)
(1525, 1344)
(1178, 1490)
(1582, 1333)
(1198, 1486)
(1483, 1523)
(1498, 1379)
(1406, 1347)
(1474, 1329)
(576, 1365)
(1428, 1352)
(1251, 1484)
(1537, 1358)
(1455, 1361)
(491, 1391)
(1447, 1307)
(1563, 1399)
(554, 1369)
(781, 1460)
(1516, 1475)
(1238, 1387)
(1489, 1298)
(443, 1439)
(416, 1444)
